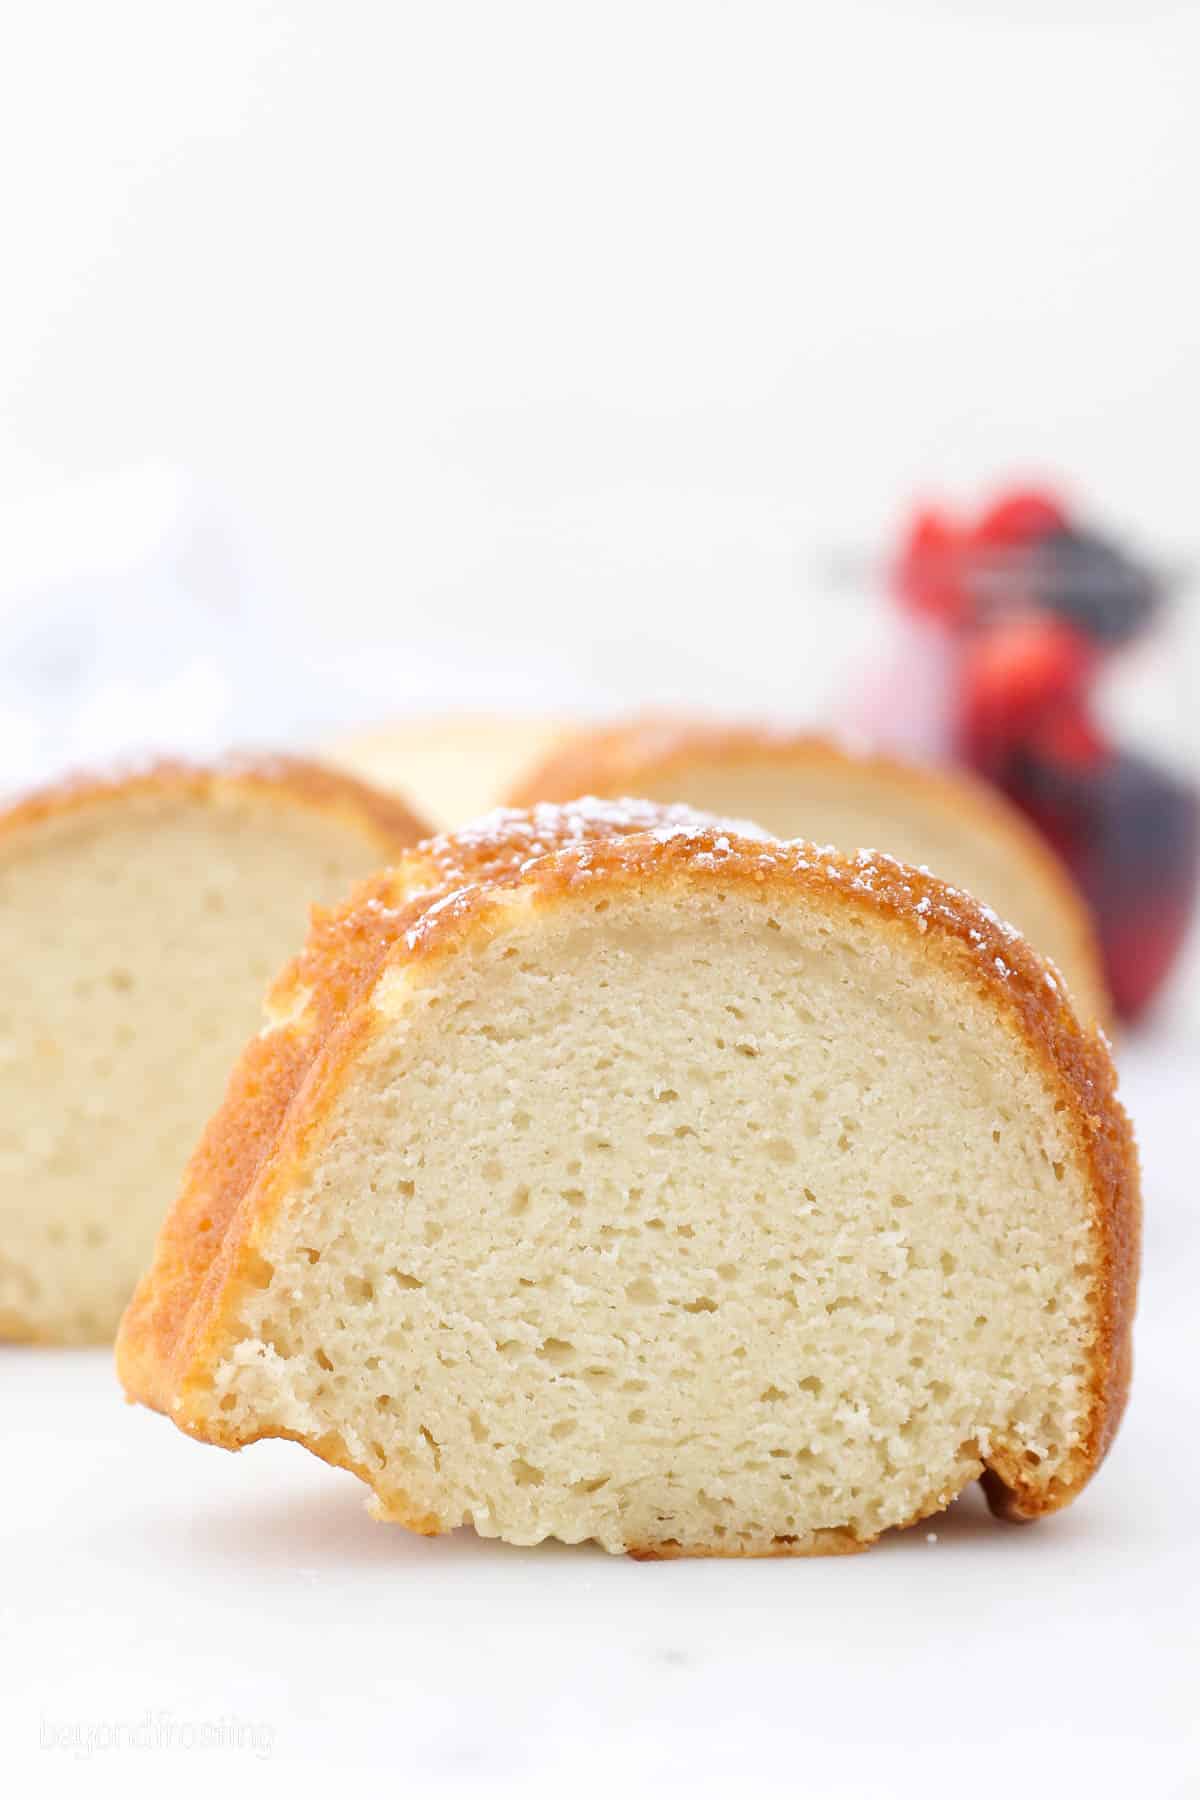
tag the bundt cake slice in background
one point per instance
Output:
(609, 1173)
(140, 921)
(452, 766)
(800, 785)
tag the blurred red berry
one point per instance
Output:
(1141, 950)
(1016, 675)
(928, 573)
(1129, 831)
(1019, 517)
(1071, 736)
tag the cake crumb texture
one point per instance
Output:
(141, 916)
(673, 1187)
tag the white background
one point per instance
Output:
(561, 341)
(553, 348)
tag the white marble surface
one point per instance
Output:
(157, 1586)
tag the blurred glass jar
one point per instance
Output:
(1060, 666)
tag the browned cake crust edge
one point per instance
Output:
(282, 1096)
(297, 780)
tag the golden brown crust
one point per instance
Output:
(822, 1543)
(619, 758)
(281, 1097)
(294, 779)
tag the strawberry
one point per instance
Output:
(1019, 517)
(1070, 736)
(928, 576)
(1016, 675)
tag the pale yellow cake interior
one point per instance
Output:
(137, 937)
(451, 767)
(679, 1222)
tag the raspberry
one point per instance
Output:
(1019, 517)
(1015, 676)
(928, 576)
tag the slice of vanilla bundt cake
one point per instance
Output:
(140, 921)
(610, 1173)
(452, 766)
(799, 785)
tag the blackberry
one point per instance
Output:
(1130, 833)
(1093, 583)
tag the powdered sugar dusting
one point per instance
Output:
(508, 844)
(455, 901)
(1001, 925)
(882, 875)
(545, 828)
